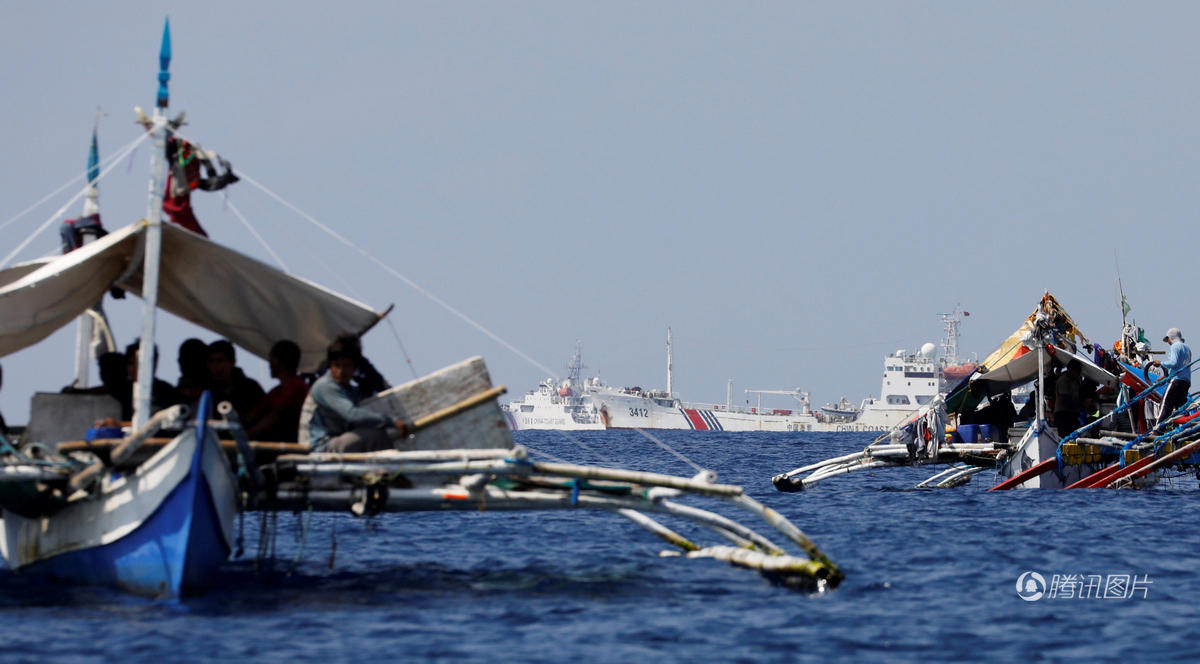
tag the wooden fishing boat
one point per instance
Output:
(1115, 450)
(151, 508)
(158, 528)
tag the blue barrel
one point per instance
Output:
(987, 432)
(969, 433)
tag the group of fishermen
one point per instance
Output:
(1076, 399)
(321, 410)
(1073, 400)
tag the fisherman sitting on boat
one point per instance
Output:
(1178, 367)
(277, 416)
(367, 378)
(113, 381)
(228, 382)
(331, 419)
(193, 370)
(1068, 398)
(162, 395)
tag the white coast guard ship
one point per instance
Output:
(561, 406)
(910, 380)
(575, 404)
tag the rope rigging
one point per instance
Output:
(116, 158)
(445, 305)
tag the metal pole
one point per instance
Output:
(1041, 397)
(153, 239)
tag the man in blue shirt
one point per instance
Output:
(1178, 366)
(331, 419)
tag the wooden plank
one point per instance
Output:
(157, 443)
(264, 452)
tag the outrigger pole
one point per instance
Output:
(153, 237)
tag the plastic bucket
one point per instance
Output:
(987, 432)
(969, 433)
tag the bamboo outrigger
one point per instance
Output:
(491, 473)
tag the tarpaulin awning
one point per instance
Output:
(240, 298)
(1014, 363)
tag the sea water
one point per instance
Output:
(930, 575)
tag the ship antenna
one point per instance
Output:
(575, 367)
(951, 321)
(669, 371)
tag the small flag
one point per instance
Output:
(1125, 308)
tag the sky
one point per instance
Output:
(796, 189)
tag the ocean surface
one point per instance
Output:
(931, 575)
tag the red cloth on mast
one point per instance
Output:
(177, 203)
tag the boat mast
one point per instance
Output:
(1124, 302)
(153, 238)
(91, 206)
(1041, 387)
(670, 391)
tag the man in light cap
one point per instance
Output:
(1178, 367)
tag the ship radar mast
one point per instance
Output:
(951, 323)
(670, 391)
(575, 366)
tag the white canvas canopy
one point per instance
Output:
(21, 269)
(248, 302)
(1024, 369)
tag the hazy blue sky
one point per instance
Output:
(795, 188)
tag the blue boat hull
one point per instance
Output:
(160, 530)
(176, 550)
